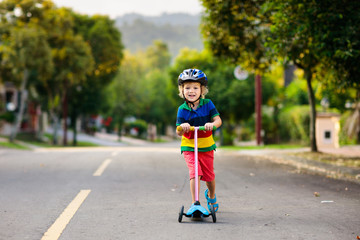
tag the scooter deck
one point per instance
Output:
(197, 211)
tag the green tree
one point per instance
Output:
(72, 58)
(307, 33)
(123, 94)
(342, 50)
(237, 30)
(100, 32)
(155, 102)
(158, 55)
(140, 87)
(24, 47)
(155, 84)
(292, 38)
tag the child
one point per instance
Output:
(198, 111)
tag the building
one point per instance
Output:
(327, 130)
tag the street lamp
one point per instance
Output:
(10, 106)
(325, 103)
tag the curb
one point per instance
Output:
(310, 166)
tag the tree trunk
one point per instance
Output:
(358, 133)
(73, 123)
(357, 108)
(39, 122)
(308, 76)
(120, 126)
(65, 113)
(55, 120)
(20, 114)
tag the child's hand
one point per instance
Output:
(209, 126)
(185, 127)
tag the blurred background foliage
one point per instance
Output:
(79, 67)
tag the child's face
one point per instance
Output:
(192, 91)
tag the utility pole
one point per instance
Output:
(242, 75)
(258, 102)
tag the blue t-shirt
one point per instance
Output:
(205, 112)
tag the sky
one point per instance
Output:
(115, 8)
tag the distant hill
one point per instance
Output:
(176, 30)
(181, 19)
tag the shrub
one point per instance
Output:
(345, 137)
(294, 124)
(228, 137)
(139, 125)
(8, 117)
(270, 129)
(246, 134)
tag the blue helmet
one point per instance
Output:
(192, 75)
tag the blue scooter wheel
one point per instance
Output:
(181, 213)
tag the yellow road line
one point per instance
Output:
(102, 168)
(54, 232)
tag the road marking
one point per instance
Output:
(54, 232)
(102, 168)
(114, 154)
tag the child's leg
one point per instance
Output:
(192, 188)
(211, 196)
(207, 165)
(211, 187)
(190, 161)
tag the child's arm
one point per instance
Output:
(216, 122)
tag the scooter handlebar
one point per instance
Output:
(201, 128)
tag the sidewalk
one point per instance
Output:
(108, 139)
(303, 164)
(129, 141)
(352, 151)
(123, 139)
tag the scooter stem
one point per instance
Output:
(196, 164)
(196, 129)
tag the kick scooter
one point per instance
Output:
(196, 211)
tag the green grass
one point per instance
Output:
(30, 139)
(7, 144)
(79, 143)
(85, 144)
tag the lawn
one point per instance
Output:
(270, 146)
(334, 159)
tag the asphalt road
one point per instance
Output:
(136, 193)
